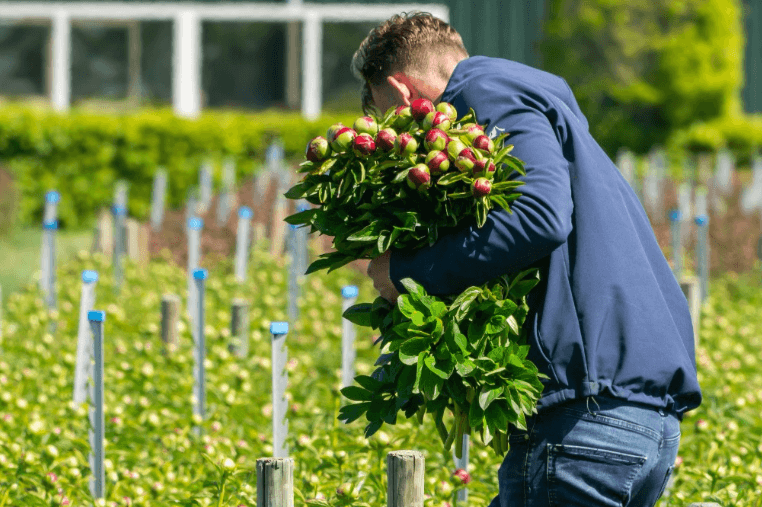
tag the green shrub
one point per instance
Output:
(740, 134)
(642, 70)
(82, 154)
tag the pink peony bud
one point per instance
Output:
(435, 119)
(473, 131)
(448, 109)
(481, 187)
(343, 139)
(318, 150)
(437, 162)
(402, 117)
(405, 144)
(454, 148)
(484, 168)
(462, 475)
(333, 130)
(363, 145)
(436, 140)
(483, 142)
(385, 139)
(420, 108)
(365, 125)
(465, 161)
(419, 177)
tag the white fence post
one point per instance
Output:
(157, 199)
(279, 330)
(96, 432)
(60, 61)
(199, 349)
(186, 60)
(348, 332)
(312, 44)
(195, 225)
(120, 231)
(242, 243)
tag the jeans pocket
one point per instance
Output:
(666, 480)
(586, 476)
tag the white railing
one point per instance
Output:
(187, 18)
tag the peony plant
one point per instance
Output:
(397, 181)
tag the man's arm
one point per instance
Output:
(541, 219)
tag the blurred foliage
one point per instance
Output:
(742, 134)
(82, 154)
(641, 70)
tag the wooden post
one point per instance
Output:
(275, 482)
(132, 239)
(105, 234)
(170, 313)
(404, 471)
(278, 227)
(144, 235)
(690, 286)
(239, 328)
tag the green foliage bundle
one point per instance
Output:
(82, 154)
(741, 134)
(641, 70)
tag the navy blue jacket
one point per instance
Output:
(609, 317)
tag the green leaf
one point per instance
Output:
(301, 218)
(413, 288)
(451, 177)
(475, 415)
(401, 175)
(487, 396)
(349, 413)
(431, 384)
(430, 363)
(368, 383)
(465, 368)
(299, 190)
(368, 233)
(359, 314)
(414, 346)
(356, 393)
(373, 427)
(463, 302)
(495, 324)
(506, 185)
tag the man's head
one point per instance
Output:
(407, 57)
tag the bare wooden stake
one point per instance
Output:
(275, 482)
(239, 328)
(404, 471)
(170, 313)
(691, 289)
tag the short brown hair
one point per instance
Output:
(399, 45)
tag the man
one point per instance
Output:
(608, 323)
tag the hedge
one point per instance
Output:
(82, 154)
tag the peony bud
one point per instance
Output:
(363, 145)
(481, 187)
(402, 117)
(454, 148)
(435, 119)
(437, 162)
(472, 131)
(448, 109)
(484, 168)
(365, 125)
(420, 108)
(385, 139)
(435, 140)
(405, 144)
(462, 475)
(419, 177)
(343, 139)
(333, 130)
(483, 142)
(465, 161)
(318, 149)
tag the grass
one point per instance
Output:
(20, 254)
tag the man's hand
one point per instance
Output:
(378, 270)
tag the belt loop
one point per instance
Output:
(588, 405)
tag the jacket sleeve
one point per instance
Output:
(541, 219)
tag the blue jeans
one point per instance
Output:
(592, 452)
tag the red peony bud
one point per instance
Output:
(462, 475)
(419, 177)
(365, 125)
(343, 139)
(454, 148)
(333, 130)
(363, 145)
(437, 162)
(318, 150)
(465, 161)
(405, 144)
(473, 131)
(484, 168)
(402, 117)
(483, 142)
(420, 108)
(385, 139)
(481, 187)
(448, 109)
(435, 140)
(435, 119)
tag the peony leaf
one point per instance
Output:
(359, 314)
(356, 393)
(488, 395)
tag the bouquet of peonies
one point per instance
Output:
(397, 181)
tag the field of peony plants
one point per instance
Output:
(154, 458)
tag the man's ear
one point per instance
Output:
(403, 89)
